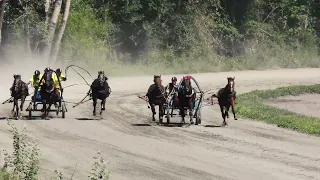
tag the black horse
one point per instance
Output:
(186, 97)
(226, 98)
(49, 94)
(100, 90)
(19, 90)
(156, 96)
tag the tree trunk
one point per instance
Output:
(46, 9)
(2, 3)
(26, 31)
(52, 28)
(57, 44)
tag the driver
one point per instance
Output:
(61, 76)
(34, 81)
(172, 85)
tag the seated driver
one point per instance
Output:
(34, 81)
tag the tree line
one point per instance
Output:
(137, 30)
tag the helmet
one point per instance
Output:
(58, 70)
(37, 73)
(47, 69)
(173, 79)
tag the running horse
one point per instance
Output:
(19, 90)
(156, 97)
(226, 98)
(49, 94)
(100, 90)
(186, 97)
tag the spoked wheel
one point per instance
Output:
(63, 110)
(168, 116)
(198, 117)
(30, 111)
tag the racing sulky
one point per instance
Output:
(100, 90)
(156, 97)
(49, 93)
(226, 98)
(186, 98)
(19, 90)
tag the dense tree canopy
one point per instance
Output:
(140, 30)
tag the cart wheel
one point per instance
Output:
(168, 116)
(198, 117)
(30, 111)
(63, 110)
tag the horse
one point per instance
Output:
(186, 97)
(19, 90)
(226, 98)
(100, 90)
(49, 94)
(156, 97)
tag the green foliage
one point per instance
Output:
(24, 162)
(209, 35)
(252, 105)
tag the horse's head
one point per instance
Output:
(230, 84)
(187, 83)
(101, 77)
(17, 82)
(157, 80)
(49, 81)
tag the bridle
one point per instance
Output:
(49, 82)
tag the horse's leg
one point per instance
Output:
(182, 111)
(223, 115)
(94, 106)
(17, 108)
(227, 110)
(161, 112)
(103, 103)
(23, 98)
(48, 110)
(190, 107)
(233, 111)
(153, 110)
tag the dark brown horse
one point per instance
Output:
(186, 98)
(226, 98)
(49, 94)
(19, 90)
(100, 90)
(156, 96)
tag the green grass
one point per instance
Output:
(3, 175)
(253, 105)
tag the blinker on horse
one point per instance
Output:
(19, 90)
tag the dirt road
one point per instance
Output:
(137, 150)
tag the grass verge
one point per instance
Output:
(252, 105)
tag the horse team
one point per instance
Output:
(157, 95)
(49, 93)
(185, 97)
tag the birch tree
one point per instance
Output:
(2, 3)
(57, 44)
(52, 28)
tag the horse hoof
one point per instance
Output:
(103, 109)
(235, 118)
